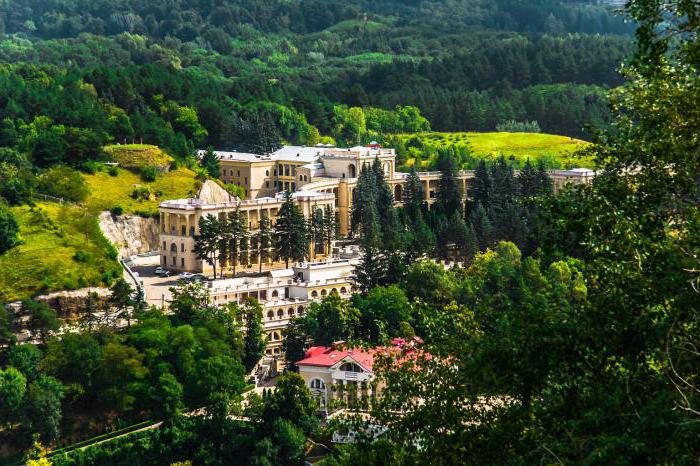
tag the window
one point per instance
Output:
(173, 247)
(280, 313)
(270, 315)
(165, 247)
(290, 312)
(183, 230)
(182, 247)
(245, 180)
(275, 172)
(350, 367)
(317, 384)
(300, 310)
(239, 173)
(343, 290)
(314, 294)
(324, 292)
(267, 184)
(182, 262)
(267, 172)
(192, 231)
(275, 294)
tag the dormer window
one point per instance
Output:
(350, 367)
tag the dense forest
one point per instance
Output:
(247, 67)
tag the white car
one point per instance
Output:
(185, 276)
(162, 272)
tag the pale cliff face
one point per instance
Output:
(130, 234)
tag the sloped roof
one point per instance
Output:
(323, 356)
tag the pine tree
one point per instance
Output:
(371, 271)
(237, 237)
(442, 233)
(450, 191)
(414, 196)
(545, 185)
(364, 203)
(459, 234)
(528, 181)
(387, 218)
(254, 343)
(483, 227)
(504, 188)
(291, 240)
(263, 239)
(210, 162)
(223, 243)
(510, 225)
(481, 186)
(205, 244)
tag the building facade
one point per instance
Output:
(287, 293)
(317, 176)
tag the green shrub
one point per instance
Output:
(90, 167)
(149, 174)
(142, 193)
(116, 210)
(113, 171)
(82, 256)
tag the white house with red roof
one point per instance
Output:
(339, 371)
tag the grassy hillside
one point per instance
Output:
(107, 191)
(62, 248)
(556, 151)
(139, 156)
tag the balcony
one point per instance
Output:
(352, 376)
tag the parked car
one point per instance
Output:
(163, 272)
(185, 276)
(198, 277)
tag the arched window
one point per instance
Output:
(324, 292)
(334, 290)
(352, 171)
(350, 367)
(314, 294)
(275, 294)
(300, 310)
(270, 315)
(317, 384)
(173, 247)
(290, 312)
(280, 313)
(343, 290)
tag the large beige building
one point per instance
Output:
(317, 176)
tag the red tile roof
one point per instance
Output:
(324, 356)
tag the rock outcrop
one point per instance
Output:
(130, 234)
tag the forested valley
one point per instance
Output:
(558, 328)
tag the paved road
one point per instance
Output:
(157, 288)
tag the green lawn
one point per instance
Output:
(46, 260)
(556, 150)
(107, 191)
